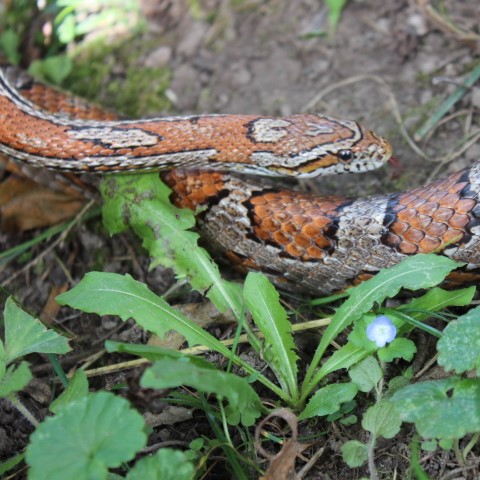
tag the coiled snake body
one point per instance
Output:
(308, 242)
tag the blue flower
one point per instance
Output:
(381, 331)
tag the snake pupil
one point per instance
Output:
(345, 155)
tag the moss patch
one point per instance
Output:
(110, 76)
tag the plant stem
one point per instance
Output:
(371, 458)
(470, 445)
(15, 401)
(415, 466)
(225, 426)
(458, 453)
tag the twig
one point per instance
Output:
(394, 105)
(198, 350)
(311, 462)
(54, 244)
(15, 401)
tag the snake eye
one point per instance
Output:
(345, 155)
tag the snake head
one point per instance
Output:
(369, 152)
(308, 145)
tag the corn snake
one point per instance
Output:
(301, 241)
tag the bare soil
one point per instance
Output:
(387, 60)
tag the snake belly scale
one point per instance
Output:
(311, 243)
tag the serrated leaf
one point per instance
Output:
(328, 400)
(15, 379)
(114, 294)
(76, 389)
(459, 347)
(270, 317)
(166, 464)
(366, 374)
(413, 273)
(354, 453)
(142, 202)
(85, 439)
(243, 402)
(344, 357)
(24, 334)
(441, 409)
(399, 348)
(437, 299)
(382, 419)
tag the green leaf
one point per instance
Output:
(344, 357)
(77, 388)
(354, 453)
(445, 444)
(3, 363)
(399, 348)
(382, 419)
(397, 383)
(270, 317)
(15, 378)
(366, 374)
(114, 294)
(441, 409)
(11, 463)
(166, 464)
(10, 43)
(429, 445)
(335, 8)
(243, 402)
(350, 420)
(459, 347)
(437, 299)
(328, 400)
(53, 69)
(85, 439)
(413, 273)
(24, 334)
(152, 353)
(142, 202)
(66, 30)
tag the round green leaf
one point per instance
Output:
(399, 348)
(442, 408)
(354, 453)
(166, 464)
(366, 374)
(459, 348)
(87, 437)
(328, 400)
(382, 419)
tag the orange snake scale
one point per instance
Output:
(304, 242)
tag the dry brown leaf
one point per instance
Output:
(282, 465)
(51, 308)
(25, 205)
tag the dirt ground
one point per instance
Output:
(389, 60)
